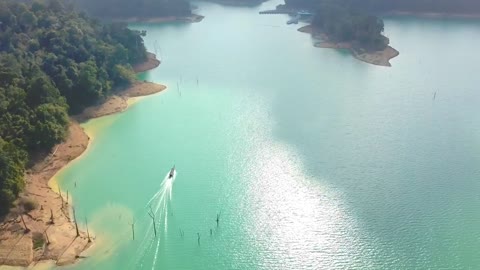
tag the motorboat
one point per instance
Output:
(172, 172)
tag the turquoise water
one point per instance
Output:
(313, 160)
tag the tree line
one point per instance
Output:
(355, 20)
(442, 6)
(381, 6)
(343, 24)
(120, 9)
(53, 62)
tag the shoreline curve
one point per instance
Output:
(65, 247)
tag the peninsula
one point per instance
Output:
(354, 24)
(65, 71)
(336, 25)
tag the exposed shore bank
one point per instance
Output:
(379, 58)
(151, 63)
(58, 241)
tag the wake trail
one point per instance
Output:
(157, 205)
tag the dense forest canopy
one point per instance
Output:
(343, 23)
(53, 62)
(443, 6)
(135, 8)
(346, 25)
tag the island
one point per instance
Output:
(337, 25)
(354, 25)
(57, 68)
(140, 10)
(428, 8)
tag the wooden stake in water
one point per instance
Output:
(198, 234)
(88, 233)
(133, 229)
(152, 215)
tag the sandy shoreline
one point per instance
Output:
(18, 248)
(151, 63)
(379, 58)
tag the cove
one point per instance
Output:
(312, 159)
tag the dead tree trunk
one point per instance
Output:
(152, 215)
(76, 224)
(60, 192)
(133, 229)
(52, 221)
(46, 236)
(25, 225)
(88, 233)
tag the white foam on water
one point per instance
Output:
(157, 205)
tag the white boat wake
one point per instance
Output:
(158, 210)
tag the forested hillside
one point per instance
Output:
(121, 9)
(443, 6)
(53, 62)
(240, 2)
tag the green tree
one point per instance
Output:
(28, 20)
(49, 127)
(12, 164)
(123, 75)
(40, 90)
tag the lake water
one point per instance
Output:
(311, 158)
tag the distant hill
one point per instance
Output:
(239, 2)
(385, 6)
(135, 8)
(440, 6)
